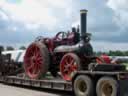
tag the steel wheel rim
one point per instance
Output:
(82, 86)
(33, 61)
(68, 67)
(106, 89)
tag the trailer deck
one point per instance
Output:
(53, 83)
(58, 84)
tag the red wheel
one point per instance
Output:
(70, 63)
(36, 60)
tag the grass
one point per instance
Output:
(126, 64)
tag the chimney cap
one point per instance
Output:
(83, 11)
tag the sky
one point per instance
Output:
(21, 21)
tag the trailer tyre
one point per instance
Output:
(107, 86)
(83, 86)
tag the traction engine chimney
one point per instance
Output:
(83, 16)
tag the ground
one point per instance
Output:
(7, 90)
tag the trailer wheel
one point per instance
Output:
(36, 60)
(107, 86)
(83, 86)
(69, 64)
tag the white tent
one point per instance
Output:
(16, 55)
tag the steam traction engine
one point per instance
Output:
(70, 54)
(66, 52)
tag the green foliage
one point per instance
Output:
(113, 53)
(9, 48)
(22, 48)
(1, 48)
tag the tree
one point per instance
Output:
(22, 48)
(9, 48)
(1, 48)
(126, 53)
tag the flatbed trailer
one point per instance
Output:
(53, 83)
(98, 78)
(59, 84)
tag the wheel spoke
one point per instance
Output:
(69, 71)
(39, 59)
(65, 70)
(39, 62)
(35, 69)
(66, 61)
(72, 61)
(74, 67)
(38, 55)
(30, 68)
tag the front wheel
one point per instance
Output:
(69, 64)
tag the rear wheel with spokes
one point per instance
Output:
(36, 60)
